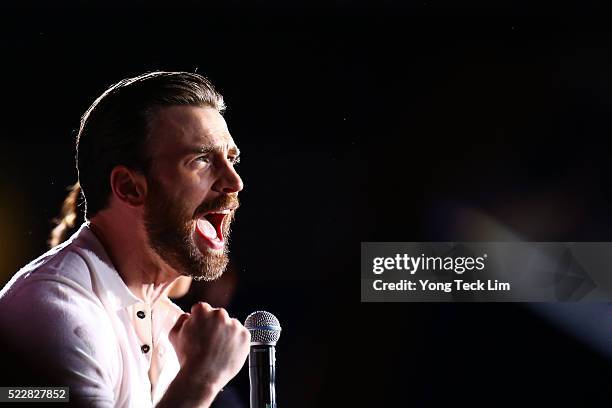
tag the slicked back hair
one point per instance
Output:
(116, 127)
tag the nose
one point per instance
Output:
(229, 180)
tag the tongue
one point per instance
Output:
(206, 228)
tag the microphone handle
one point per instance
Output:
(262, 376)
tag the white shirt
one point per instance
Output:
(71, 308)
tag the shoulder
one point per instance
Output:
(53, 296)
(57, 268)
(50, 313)
(59, 288)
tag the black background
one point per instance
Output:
(357, 122)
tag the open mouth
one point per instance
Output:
(210, 227)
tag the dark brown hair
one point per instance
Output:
(115, 129)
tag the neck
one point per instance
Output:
(143, 271)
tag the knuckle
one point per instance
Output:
(240, 328)
(246, 334)
(221, 314)
(200, 307)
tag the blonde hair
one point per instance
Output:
(65, 222)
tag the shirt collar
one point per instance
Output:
(112, 288)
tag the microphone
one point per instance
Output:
(265, 330)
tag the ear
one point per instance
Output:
(129, 186)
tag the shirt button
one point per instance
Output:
(140, 314)
(145, 348)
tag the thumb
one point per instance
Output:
(178, 325)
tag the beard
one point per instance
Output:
(170, 229)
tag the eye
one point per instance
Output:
(234, 160)
(204, 159)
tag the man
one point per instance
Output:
(156, 167)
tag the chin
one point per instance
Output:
(209, 265)
(208, 276)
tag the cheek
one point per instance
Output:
(187, 188)
(188, 185)
(193, 196)
(200, 187)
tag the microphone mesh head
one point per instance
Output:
(264, 327)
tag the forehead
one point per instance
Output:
(177, 129)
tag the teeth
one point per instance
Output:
(220, 212)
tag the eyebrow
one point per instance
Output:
(205, 149)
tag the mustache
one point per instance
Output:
(224, 201)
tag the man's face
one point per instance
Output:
(192, 190)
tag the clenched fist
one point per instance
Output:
(211, 348)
